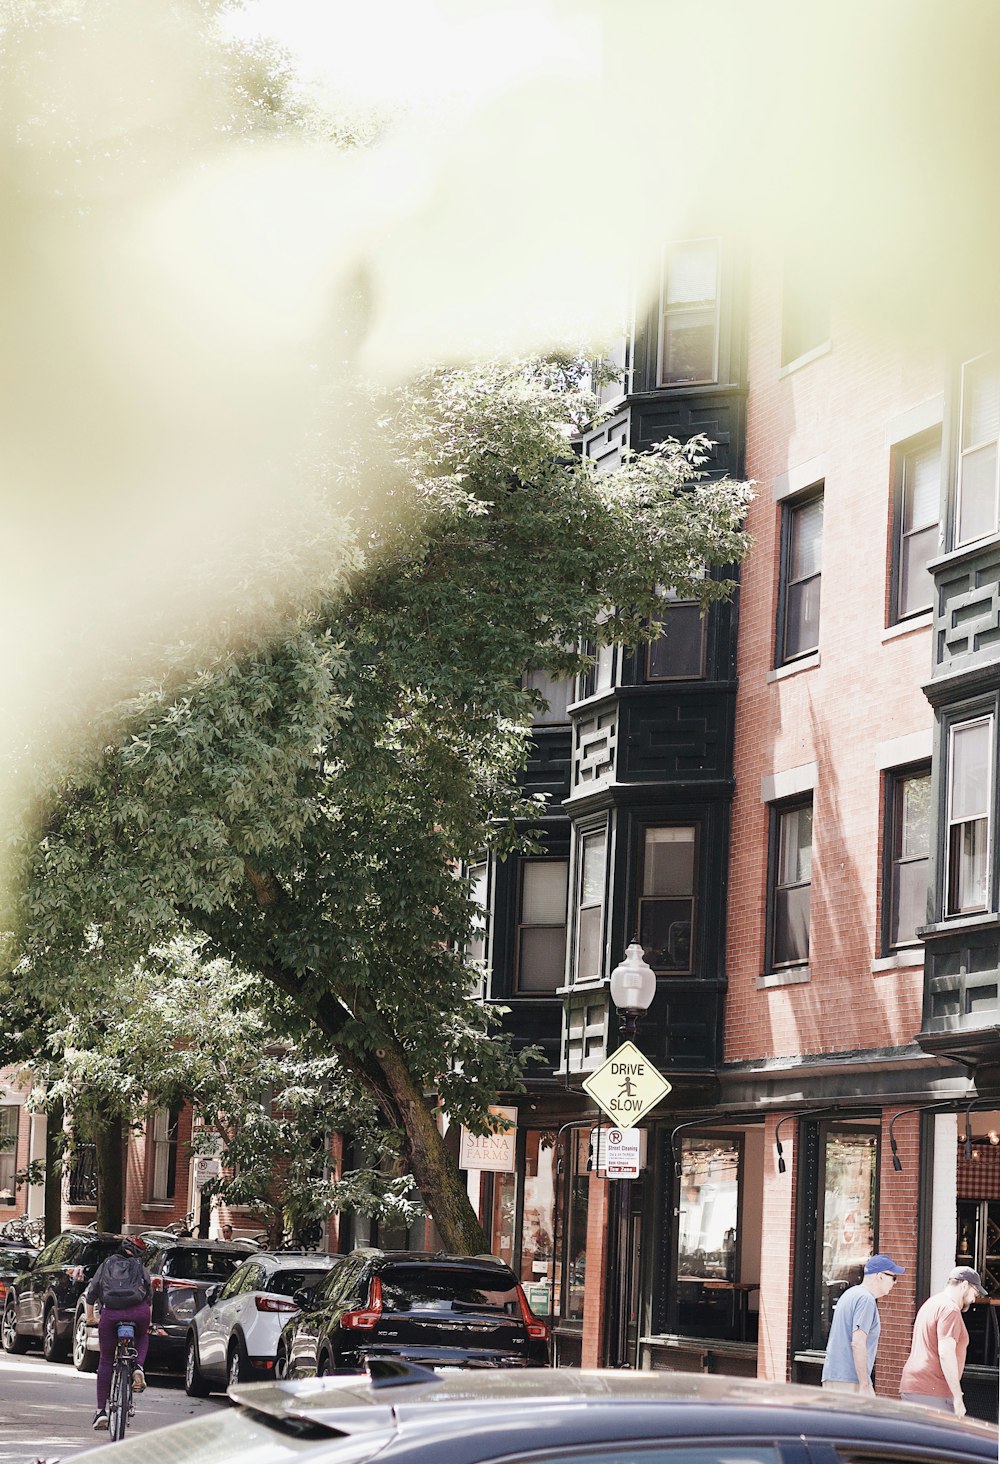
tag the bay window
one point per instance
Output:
(689, 319)
(976, 500)
(667, 899)
(541, 926)
(969, 816)
(591, 882)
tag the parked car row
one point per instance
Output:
(230, 1313)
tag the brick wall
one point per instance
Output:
(776, 1254)
(594, 1276)
(898, 1201)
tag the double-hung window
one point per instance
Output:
(678, 653)
(976, 504)
(791, 885)
(479, 894)
(908, 805)
(801, 577)
(667, 901)
(969, 816)
(689, 319)
(555, 691)
(591, 881)
(541, 926)
(918, 488)
(8, 1152)
(163, 1143)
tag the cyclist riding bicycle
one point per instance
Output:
(123, 1287)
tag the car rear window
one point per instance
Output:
(447, 1288)
(95, 1251)
(201, 1265)
(12, 1259)
(286, 1283)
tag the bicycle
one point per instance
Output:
(121, 1400)
(24, 1231)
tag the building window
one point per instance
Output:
(475, 946)
(801, 576)
(600, 674)
(846, 1219)
(590, 905)
(8, 1151)
(678, 653)
(907, 843)
(791, 885)
(163, 1153)
(541, 926)
(708, 1228)
(555, 691)
(976, 507)
(666, 904)
(574, 1201)
(970, 782)
(918, 491)
(805, 309)
(689, 321)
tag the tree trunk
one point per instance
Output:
(433, 1168)
(54, 1140)
(109, 1142)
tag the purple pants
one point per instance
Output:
(107, 1331)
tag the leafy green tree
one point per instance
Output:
(304, 804)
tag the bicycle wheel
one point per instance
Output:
(116, 1422)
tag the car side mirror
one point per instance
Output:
(212, 1293)
(302, 1298)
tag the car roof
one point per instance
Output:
(599, 1401)
(297, 1258)
(433, 1258)
(234, 1247)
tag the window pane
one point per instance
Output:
(802, 617)
(909, 908)
(692, 272)
(980, 402)
(543, 891)
(689, 346)
(665, 933)
(592, 882)
(708, 1215)
(806, 545)
(916, 583)
(977, 494)
(970, 771)
(967, 867)
(915, 822)
(475, 950)
(791, 925)
(921, 487)
(795, 848)
(848, 1216)
(557, 692)
(679, 649)
(588, 960)
(541, 959)
(668, 862)
(538, 1221)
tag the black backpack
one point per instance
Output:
(124, 1282)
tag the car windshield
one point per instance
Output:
(201, 1265)
(286, 1283)
(447, 1288)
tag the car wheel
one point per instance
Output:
(54, 1349)
(280, 1365)
(237, 1370)
(195, 1383)
(324, 1366)
(12, 1341)
(84, 1360)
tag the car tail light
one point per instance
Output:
(76, 1273)
(3, 1290)
(273, 1304)
(370, 1316)
(537, 1330)
(156, 1282)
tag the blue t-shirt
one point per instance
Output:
(856, 1310)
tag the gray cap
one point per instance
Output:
(966, 1273)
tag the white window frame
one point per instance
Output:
(586, 836)
(988, 720)
(908, 453)
(8, 1156)
(716, 241)
(161, 1144)
(530, 863)
(964, 452)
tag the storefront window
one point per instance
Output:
(538, 1219)
(708, 1219)
(574, 1248)
(847, 1219)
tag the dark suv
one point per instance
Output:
(464, 1311)
(42, 1302)
(182, 1273)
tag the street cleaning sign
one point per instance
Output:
(626, 1086)
(623, 1153)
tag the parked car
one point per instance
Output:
(182, 1272)
(41, 1303)
(462, 1310)
(233, 1339)
(14, 1258)
(407, 1415)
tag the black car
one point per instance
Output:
(461, 1310)
(14, 1258)
(182, 1273)
(405, 1415)
(41, 1303)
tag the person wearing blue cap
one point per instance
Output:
(852, 1346)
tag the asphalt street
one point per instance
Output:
(46, 1409)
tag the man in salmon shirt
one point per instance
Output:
(932, 1374)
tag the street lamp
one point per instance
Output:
(633, 986)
